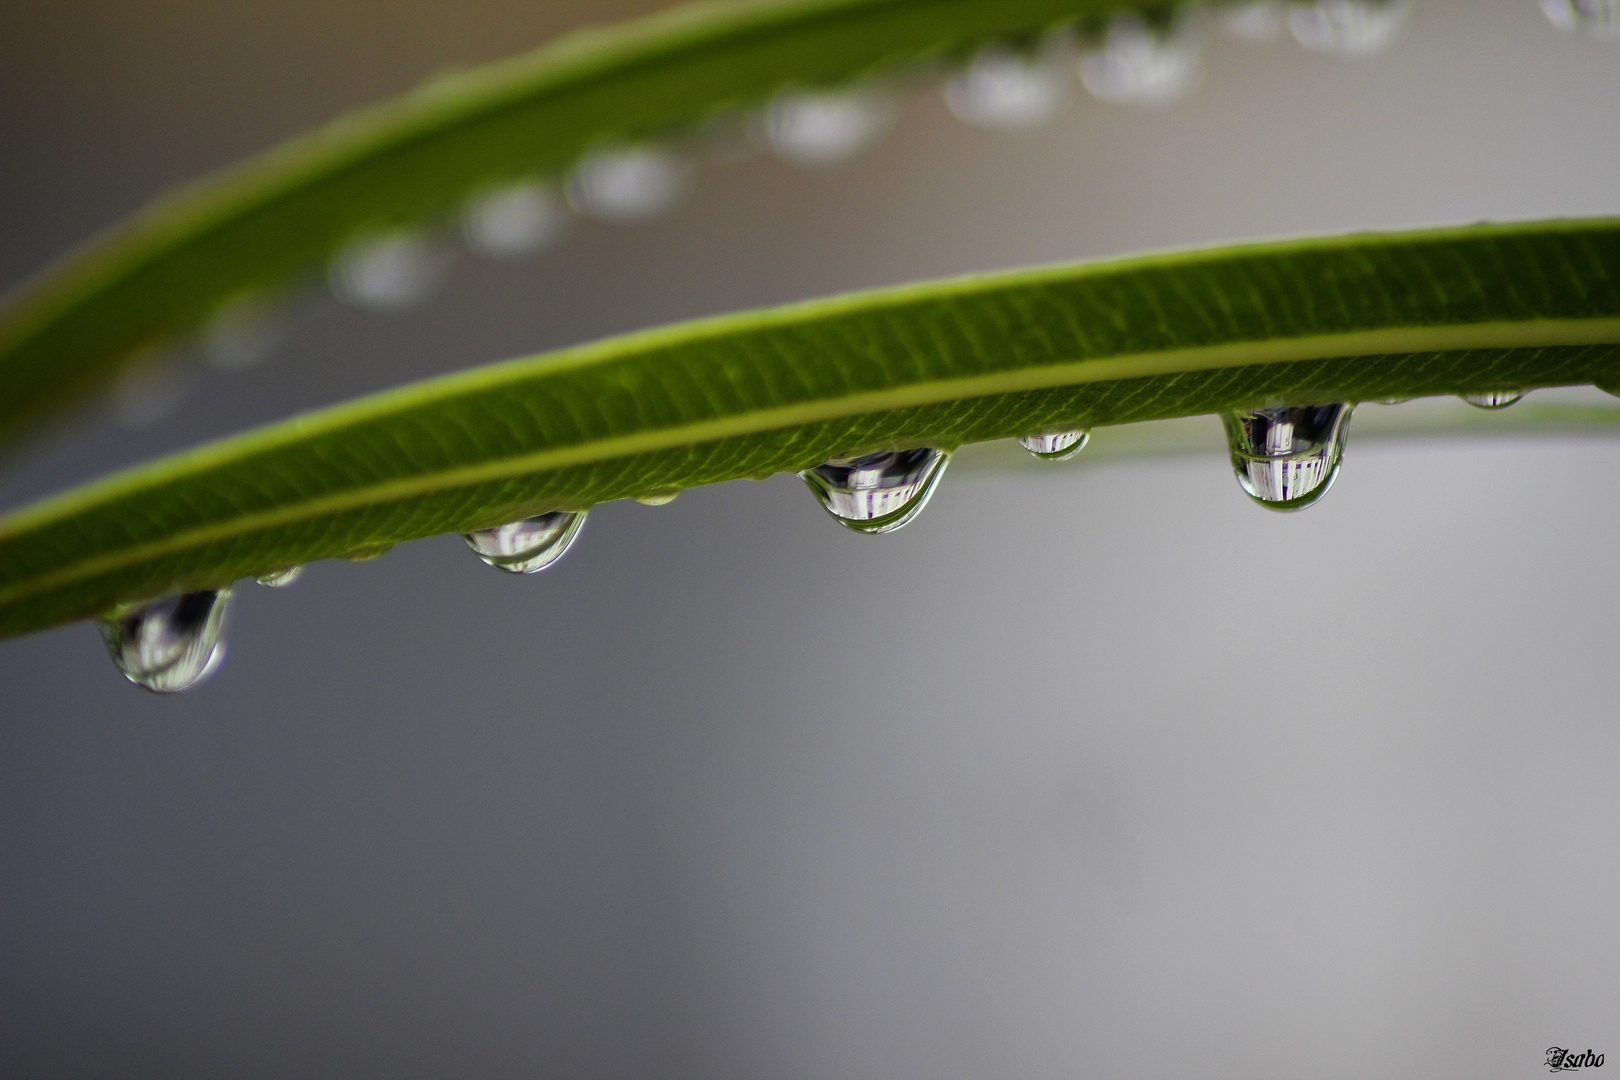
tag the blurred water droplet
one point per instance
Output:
(1392, 401)
(1286, 458)
(148, 389)
(171, 643)
(280, 579)
(826, 127)
(530, 545)
(1138, 65)
(241, 334)
(1594, 18)
(514, 220)
(1348, 27)
(1258, 20)
(1004, 89)
(1493, 399)
(878, 492)
(657, 498)
(387, 271)
(628, 183)
(1056, 445)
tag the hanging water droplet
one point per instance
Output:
(1594, 18)
(1056, 445)
(171, 643)
(514, 220)
(1257, 20)
(530, 545)
(826, 127)
(387, 271)
(627, 183)
(148, 389)
(1286, 458)
(241, 334)
(1348, 27)
(1138, 65)
(280, 579)
(1493, 399)
(878, 492)
(1004, 89)
(657, 498)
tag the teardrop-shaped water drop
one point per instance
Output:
(1006, 90)
(1286, 458)
(280, 579)
(1138, 65)
(1493, 399)
(1056, 445)
(1349, 28)
(530, 545)
(878, 492)
(171, 643)
(628, 183)
(826, 127)
(1594, 18)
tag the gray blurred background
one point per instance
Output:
(1093, 771)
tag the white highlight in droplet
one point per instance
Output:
(1139, 66)
(628, 183)
(826, 127)
(1350, 28)
(388, 271)
(514, 220)
(1006, 90)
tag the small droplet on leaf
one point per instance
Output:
(1005, 89)
(514, 220)
(1138, 65)
(826, 127)
(1056, 445)
(1493, 399)
(658, 498)
(387, 271)
(628, 183)
(280, 579)
(530, 545)
(878, 492)
(367, 552)
(168, 644)
(1256, 20)
(1350, 28)
(1287, 458)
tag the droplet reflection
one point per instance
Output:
(515, 220)
(169, 644)
(1594, 18)
(1056, 445)
(280, 579)
(628, 183)
(1348, 27)
(826, 127)
(387, 271)
(1286, 458)
(878, 492)
(1493, 399)
(527, 546)
(1138, 65)
(1006, 90)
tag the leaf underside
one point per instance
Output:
(1353, 318)
(252, 229)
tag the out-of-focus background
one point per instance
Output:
(1092, 770)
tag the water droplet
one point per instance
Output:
(367, 552)
(1392, 401)
(1138, 65)
(148, 389)
(878, 492)
(387, 271)
(530, 545)
(1004, 89)
(280, 579)
(826, 127)
(657, 498)
(628, 183)
(1348, 27)
(1493, 399)
(171, 643)
(1257, 20)
(1286, 458)
(514, 220)
(1594, 18)
(1055, 445)
(241, 334)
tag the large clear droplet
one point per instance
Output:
(878, 492)
(1138, 65)
(514, 220)
(628, 183)
(387, 271)
(1286, 458)
(826, 127)
(1255, 20)
(1348, 27)
(1593, 18)
(1055, 445)
(1006, 90)
(280, 579)
(530, 545)
(169, 644)
(1493, 399)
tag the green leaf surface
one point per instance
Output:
(944, 363)
(251, 229)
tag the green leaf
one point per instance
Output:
(250, 229)
(748, 395)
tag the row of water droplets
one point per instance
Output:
(1285, 458)
(1001, 87)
